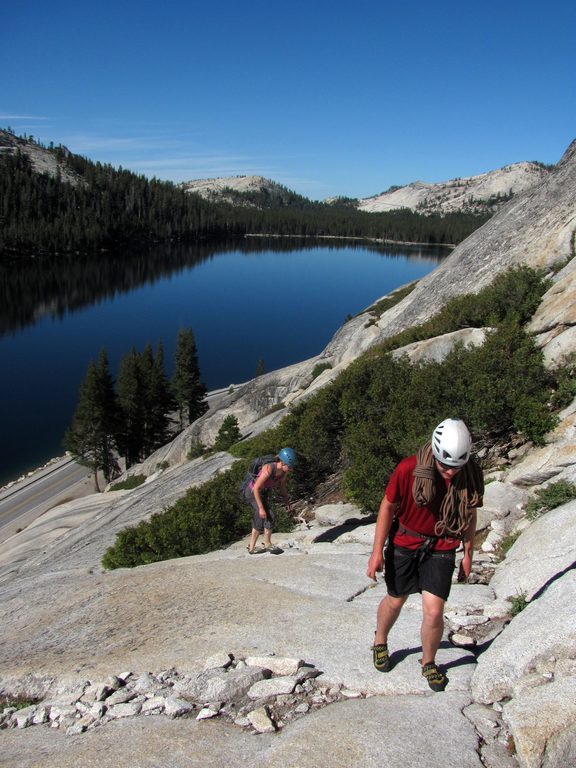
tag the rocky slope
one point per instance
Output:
(180, 662)
(484, 193)
(42, 161)
(236, 189)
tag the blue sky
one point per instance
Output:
(324, 96)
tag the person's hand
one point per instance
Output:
(375, 564)
(262, 513)
(465, 568)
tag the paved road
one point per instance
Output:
(61, 480)
(27, 499)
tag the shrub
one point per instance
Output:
(565, 382)
(391, 406)
(18, 702)
(519, 602)
(320, 368)
(502, 385)
(550, 497)
(206, 518)
(195, 451)
(513, 296)
(275, 408)
(507, 542)
(127, 485)
(378, 309)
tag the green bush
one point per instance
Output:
(507, 542)
(565, 390)
(127, 485)
(320, 368)
(17, 702)
(519, 602)
(502, 386)
(195, 451)
(275, 408)
(390, 406)
(513, 296)
(550, 497)
(207, 517)
(377, 310)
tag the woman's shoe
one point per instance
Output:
(272, 549)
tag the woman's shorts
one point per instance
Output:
(260, 523)
(406, 572)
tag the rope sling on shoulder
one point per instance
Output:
(464, 493)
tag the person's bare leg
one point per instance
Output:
(388, 611)
(267, 537)
(253, 539)
(432, 626)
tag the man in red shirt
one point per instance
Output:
(428, 508)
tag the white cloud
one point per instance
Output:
(23, 117)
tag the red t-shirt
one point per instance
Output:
(420, 519)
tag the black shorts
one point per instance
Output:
(406, 572)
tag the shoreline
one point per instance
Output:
(379, 240)
(32, 472)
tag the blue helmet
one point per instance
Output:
(287, 456)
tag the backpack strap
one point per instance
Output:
(272, 468)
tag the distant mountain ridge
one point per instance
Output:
(480, 194)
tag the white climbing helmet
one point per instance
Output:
(451, 443)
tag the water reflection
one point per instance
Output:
(33, 288)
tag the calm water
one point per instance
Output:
(279, 302)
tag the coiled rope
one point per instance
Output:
(464, 493)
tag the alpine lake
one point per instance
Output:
(251, 302)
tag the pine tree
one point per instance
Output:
(189, 391)
(91, 437)
(130, 393)
(228, 434)
(158, 399)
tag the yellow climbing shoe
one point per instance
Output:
(436, 679)
(381, 657)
